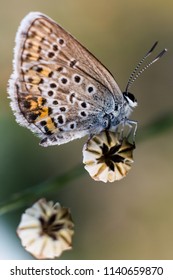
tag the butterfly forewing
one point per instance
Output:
(58, 89)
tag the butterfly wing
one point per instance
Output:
(58, 89)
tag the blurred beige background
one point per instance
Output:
(130, 219)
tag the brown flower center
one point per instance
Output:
(51, 226)
(110, 156)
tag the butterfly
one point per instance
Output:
(59, 90)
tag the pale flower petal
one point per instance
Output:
(46, 230)
(108, 157)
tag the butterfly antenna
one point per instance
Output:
(134, 74)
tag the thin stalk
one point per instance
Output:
(23, 198)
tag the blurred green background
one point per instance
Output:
(130, 219)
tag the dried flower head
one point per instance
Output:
(46, 230)
(108, 157)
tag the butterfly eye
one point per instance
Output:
(131, 100)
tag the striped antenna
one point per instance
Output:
(135, 74)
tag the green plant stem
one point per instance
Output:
(21, 199)
(26, 196)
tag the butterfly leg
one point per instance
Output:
(133, 128)
(128, 128)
